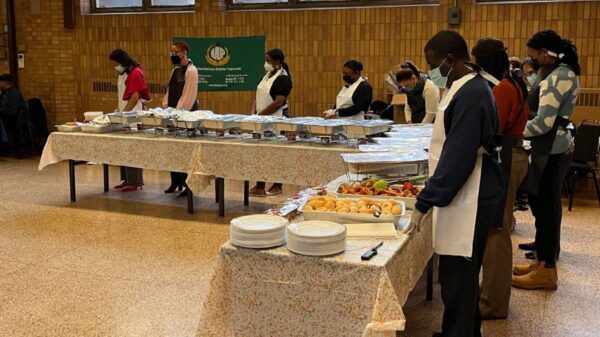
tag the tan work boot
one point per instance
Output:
(539, 278)
(524, 269)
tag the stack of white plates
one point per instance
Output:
(258, 231)
(316, 238)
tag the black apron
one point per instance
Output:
(541, 146)
(176, 85)
(507, 143)
(416, 101)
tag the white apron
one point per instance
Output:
(263, 96)
(121, 91)
(454, 225)
(344, 100)
(489, 77)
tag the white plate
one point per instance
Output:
(316, 229)
(258, 223)
(323, 249)
(256, 244)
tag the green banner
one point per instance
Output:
(227, 64)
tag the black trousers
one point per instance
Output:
(12, 127)
(178, 179)
(262, 184)
(459, 278)
(547, 210)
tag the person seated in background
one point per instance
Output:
(11, 102)
(422, 95)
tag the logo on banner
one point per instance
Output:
(217, 55)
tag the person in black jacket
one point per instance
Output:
(422, 95)
(355, 98)
(466, 182)
(11, 103)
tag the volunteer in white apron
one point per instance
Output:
(465, 183)
(132, 95)
(274, 88)
(423, 97)
(354, 100)
(271, 100)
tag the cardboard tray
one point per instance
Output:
(354, 217)
(68, 128)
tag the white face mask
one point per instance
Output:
(435, 75)
(531, 79)
(269, 67)
(120, 69)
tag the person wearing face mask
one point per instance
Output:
(271, 100)
(355, 98)
(466, 182)
(551, 149)
(510, 93)
(536, 73)
(422, 95)
(274, 88)
(132, 95)
(182, 93)
(529, 70)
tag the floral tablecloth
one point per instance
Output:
(298, 163)
(278, 293)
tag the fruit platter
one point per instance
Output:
(404, 190)
(353, 210)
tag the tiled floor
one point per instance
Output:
(137, 264)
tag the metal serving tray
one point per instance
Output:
(118, 118)
(86, 128)
(367, 128)
(186, 124)
(155, 121)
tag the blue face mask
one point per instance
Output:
(435, 75)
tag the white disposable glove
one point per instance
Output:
(329, 113)
(415, 222)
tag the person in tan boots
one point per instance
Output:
(510, 93)
(551, 142)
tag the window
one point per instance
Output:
(280, 4)
(516, 1)
(119, 6)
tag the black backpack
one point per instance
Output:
(37, 124)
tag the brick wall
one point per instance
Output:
(62, 64)
(3, 62)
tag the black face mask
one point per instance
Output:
(176, 59)
(348, 79)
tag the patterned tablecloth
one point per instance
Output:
(278, 293)
(298, 163)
